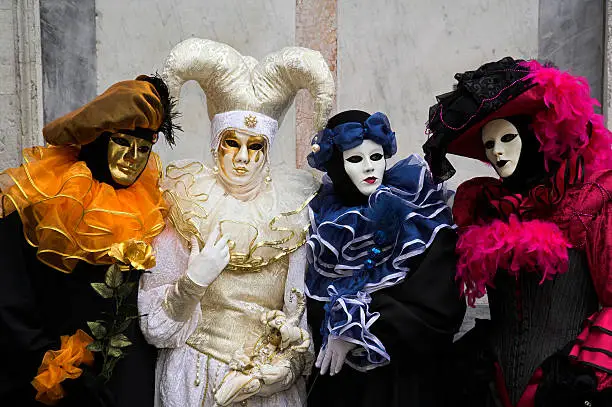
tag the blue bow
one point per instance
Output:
(350, 135)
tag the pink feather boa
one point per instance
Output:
(532, 245)
(562, 128)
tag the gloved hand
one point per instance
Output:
(236, 387)
(291, 335)
(204, 266)
(333, 355)
(276, 377)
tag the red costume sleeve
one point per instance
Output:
(465, 206)
(594, 344)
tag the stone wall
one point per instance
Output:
(135, 37)
(20, 79)
(68, 30)
(10, 129)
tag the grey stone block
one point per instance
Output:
(68, 35)
(571, 35)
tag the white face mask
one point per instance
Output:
(365, 166)
(502, 144)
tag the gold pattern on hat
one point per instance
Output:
(250, 121)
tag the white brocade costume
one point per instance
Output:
(197, 329)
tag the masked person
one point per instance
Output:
(95, 188)
(380, 271)
(537, 239)
(224, 303)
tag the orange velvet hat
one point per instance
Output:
(141, 107)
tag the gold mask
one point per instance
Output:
(127, 157)
(241, 157)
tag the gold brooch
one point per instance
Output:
(250, 121)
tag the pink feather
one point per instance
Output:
(562, 128)
(534, 246)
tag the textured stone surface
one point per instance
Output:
(7, 86)
(10, 140)
(316, 28)
(135, 37)
(20, 79)
(7, 43)
(397, 56)
(68, 34)
(9, 119)
(7, 53)
(571, 36)
(29, 66)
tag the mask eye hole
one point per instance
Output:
(376, 157)
(506, 138)
(489, 144)
(232, 143)
(121, 141)
(255, 146)
(354, 159)
(144, 149)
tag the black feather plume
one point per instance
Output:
(169, 125)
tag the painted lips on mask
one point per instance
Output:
(501, 163)
(370, 180)
(240, 170)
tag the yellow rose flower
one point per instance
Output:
(135, 253)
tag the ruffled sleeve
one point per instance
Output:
(594, 344)
(350, 319)
(467, 198)
(356, 252)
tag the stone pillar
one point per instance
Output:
(29, 64)
(571, 36)
(20, 79)
(68, 32)
(316, 25)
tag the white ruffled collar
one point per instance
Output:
(263, 229)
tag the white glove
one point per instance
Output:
(291, 335)
(204, 266)
(236, 387)
(333, 355)
(276, 378)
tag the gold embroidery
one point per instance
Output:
(232, 306)
(260, 252)
(250, 121)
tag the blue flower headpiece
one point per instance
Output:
(349, 135)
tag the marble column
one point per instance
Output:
(9, 103)
(20, 79)
(68, 30)
(316, 25)
(571, 35)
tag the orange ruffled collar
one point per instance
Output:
(70, 216)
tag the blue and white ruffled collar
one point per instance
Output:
(375, 241)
